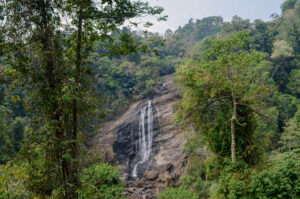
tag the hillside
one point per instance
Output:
(91, 107)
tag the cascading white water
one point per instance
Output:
(145, 135)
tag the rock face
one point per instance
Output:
(136, 139)
(145, 144)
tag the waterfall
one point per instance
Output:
(145, 135)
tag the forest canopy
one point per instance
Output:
(68, 66)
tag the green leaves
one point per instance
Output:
(100, 181)
(53, 43)
(290, 138)
(288, 4)
(209, 88)
(12, 181)
(281, 181)
(282, 50)
(294, 82)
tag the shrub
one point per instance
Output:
(280, 181)
(12, 179)
(100, 181)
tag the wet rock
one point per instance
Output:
(118, 141)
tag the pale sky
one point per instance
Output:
(180, 11)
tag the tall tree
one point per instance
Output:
(48, 44)
(222, 97)
(290, 138)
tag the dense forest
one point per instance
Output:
(67, 66)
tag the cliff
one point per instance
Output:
(145, 143)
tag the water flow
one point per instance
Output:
(145, 135)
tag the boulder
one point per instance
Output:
(165, 178)
(130, 190)
(151, 175)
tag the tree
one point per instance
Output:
(200, 49)
(281, 50)
(290, 138)
(18, 129)
(168, 33)
(294, 82)
(222, 97)
(48, 46)
(174, 46)
(288, 4)
(12, 181)
(6, 145)
(206, 27)
(282, 53)
(287, 107)
(261, 37)
(280, 180)
(237, 24)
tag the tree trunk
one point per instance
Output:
(275, 70)
(233, 122)
(73, 170)
(71, 166)
(281, 64)
(233, 117)
(53, 156)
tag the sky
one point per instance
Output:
(180, 11)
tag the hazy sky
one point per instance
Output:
(180, 11)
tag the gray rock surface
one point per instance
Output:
(117, 142)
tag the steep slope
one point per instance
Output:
(125, 142)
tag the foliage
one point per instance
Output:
(97, 181)
(200, 49)
(282, 50)
(50, 58)
(294, 82)
(123, 81)
(197, 179)
(177, 193)
(233, 181)
(261, 38)
(237, 24)
(290, 138)
(210, 88)
(281, 180)
(275, 119)
(53, 73)
(100, 181)
(196, 31)
(11, 134)
(288, 4)
(287, 106)
(12, 181)
(197, 173)
(6, 146)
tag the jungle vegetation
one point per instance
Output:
(66, 66)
